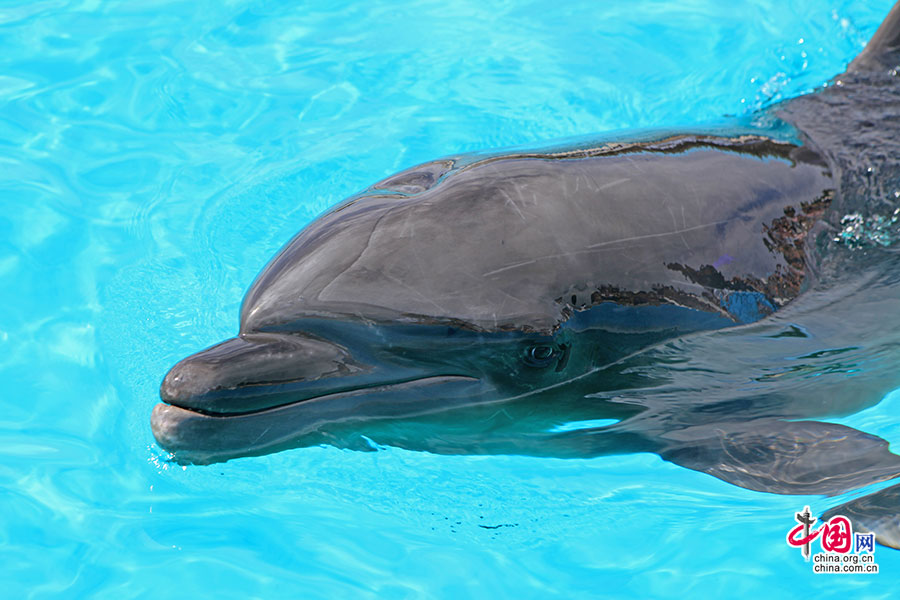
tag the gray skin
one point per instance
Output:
(686, 286)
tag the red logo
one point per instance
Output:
(837, 534)
(837, 539)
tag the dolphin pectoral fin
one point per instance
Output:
(878, 513)
(783, 457)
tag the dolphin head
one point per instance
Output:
(330, 380)
(498, 280)
(261, 392)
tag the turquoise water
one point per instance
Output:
(156, 154)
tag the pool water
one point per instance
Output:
(156, 154)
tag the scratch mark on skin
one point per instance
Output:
(362, 252)
(415, 291)
(409, 231)
(409, 225)
(532, 261)
(260, 436)
(674, 220)
(613, 183)
(602, 246)
(522, 196)
(656, 235)
(503, 412)
(511, 202)
(502, 306)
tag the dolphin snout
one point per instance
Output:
(188, 379)
(253, 372)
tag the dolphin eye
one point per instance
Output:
(540, 355)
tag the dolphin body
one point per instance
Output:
(705, 296)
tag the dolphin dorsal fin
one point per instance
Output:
(883, 50)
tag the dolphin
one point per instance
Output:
(710, 296)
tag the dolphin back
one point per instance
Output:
(522, 240)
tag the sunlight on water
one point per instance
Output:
(156, 154)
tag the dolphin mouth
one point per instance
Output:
(256, 392)
(195, 436)
(336, 393)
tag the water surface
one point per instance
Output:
(154, 156)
